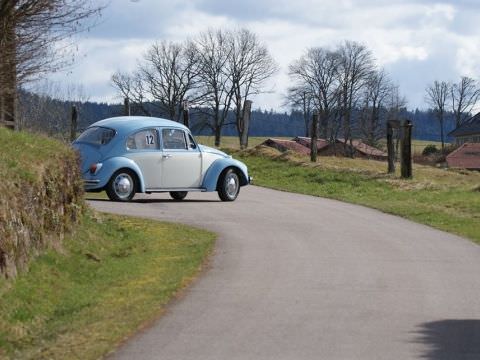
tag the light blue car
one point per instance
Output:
(135, 154)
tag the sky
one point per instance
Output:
(416, 41)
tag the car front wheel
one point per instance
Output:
(121, 186)
(229, 186)
(178, 195)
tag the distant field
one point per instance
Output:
(419, 145)
(233, 142)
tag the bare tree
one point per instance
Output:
(395, 103)
(376, 94)
(437, 94)
(47, 106)
(169, 72)
(31, 31)
(215, 90)
(316, 72)
(464, 97)
(132, 87)
(249, 66)
(299, 99)
(355, 68)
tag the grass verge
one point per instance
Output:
(114, 274)
(445, 199)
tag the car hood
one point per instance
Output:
(89, 154)
(210, 150)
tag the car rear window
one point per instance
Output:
(97, 135)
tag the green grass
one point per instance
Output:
(111, 276)
(447, 200)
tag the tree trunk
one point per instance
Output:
(73, 125)
(186, 115)
(126, 106)
(218, 134)
(390, 148)
(306, 116)
(313, 139)
(8, 74)
(441, 131)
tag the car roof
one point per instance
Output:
(126, 124)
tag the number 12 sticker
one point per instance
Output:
(150, 140)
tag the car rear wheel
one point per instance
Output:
(229, 186)
(178, 195)
(121, 186)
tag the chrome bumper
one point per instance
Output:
(88, 183)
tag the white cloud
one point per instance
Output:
(417, 41)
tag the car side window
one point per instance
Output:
(191, 142)
(174, 139)
(146, 139)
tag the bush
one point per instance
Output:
(429, 150)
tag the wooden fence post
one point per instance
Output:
(313, 138)
(186, 115)
(126, 106)
(247, 110)
(73, 123)
(406, 145)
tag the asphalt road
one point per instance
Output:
(299, 277)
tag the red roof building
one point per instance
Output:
(284, 145)
(361, 149)
(305, 141)
(466, 156)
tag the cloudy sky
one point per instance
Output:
(416, 41)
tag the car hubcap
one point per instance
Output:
(231, 185)
(123, 185)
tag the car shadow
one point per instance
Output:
(450, 339)
(152, 201)
(185, 201)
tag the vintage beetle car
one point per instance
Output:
(126, 155)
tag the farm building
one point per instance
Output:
(468, 132)
(466, 156)
(325, 148)
(361, 149)
(284, 145)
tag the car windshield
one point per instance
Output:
(97, 135)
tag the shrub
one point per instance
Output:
(429, 150)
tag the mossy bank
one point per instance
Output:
(41, 197)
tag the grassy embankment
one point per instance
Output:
(82, 296)
(445, 199)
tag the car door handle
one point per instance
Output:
(166, 156)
